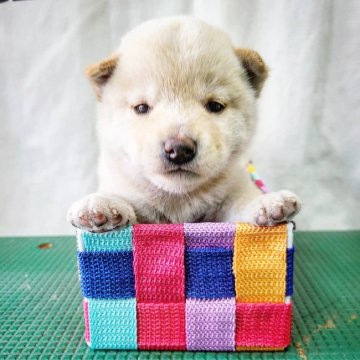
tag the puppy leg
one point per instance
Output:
(269, 209)
(98, 212)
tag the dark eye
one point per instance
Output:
(214, 107)
(142, 109)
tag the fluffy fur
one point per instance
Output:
(177, 65)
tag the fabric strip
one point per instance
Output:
(209, 274)
(107, 275)
(263, 325)
(159, 263)
(260, 263)
(289, 271)
(210, 325)
(209, 235)
(113, 324)
(118, 240)
(161, 326)
(86, 317)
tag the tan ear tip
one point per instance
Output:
(252, 58)
(91, 70)
(105, 66)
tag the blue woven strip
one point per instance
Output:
(118, 240)
(209, 273)
(289, 271)
(107, 275)
(113, 324)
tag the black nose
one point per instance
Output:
(179, 151)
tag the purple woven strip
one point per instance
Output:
(209, 235)
(210, 324)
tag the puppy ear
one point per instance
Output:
(255, 68)
(100, 73)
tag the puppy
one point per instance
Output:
(176, 114)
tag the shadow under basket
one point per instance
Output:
(196, 287)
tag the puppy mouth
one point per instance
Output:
(179, 171)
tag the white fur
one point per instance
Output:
(176, 65)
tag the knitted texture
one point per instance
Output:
(208, 235)
(86, 317)
(159, 263)
(260, 263)
(258, 348)
(200, 287)
(113, 324)
(107, 275)
(209, 274)
(289, 271)
(119, 240)
(161, 326)
(263, 325)
(210, 324)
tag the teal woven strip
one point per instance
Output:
(113, 324)
(118, 240)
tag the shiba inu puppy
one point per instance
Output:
(176, 114)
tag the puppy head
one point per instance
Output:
(177, 102)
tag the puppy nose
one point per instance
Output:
(179, 151)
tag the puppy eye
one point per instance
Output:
(214, 107)
(142, 109)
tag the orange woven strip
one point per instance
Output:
(260, 263)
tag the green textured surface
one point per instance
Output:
(41, 311)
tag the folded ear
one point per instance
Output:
(100, 73)
(255, 68)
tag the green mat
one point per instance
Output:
(41, 310)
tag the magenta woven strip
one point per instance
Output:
(210, 324)
(159, 263)
(263, 325)
(209, 235)
(86, 317)
(161, 326)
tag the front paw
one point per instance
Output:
(273, 208)
(99, 213)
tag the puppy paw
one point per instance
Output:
(273, 208)
(99, 213)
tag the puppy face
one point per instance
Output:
(177, 103)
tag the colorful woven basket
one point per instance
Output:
(205, 286)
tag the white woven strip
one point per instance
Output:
(80, 243)
(290, 236)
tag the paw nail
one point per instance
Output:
(73, 223)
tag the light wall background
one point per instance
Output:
(309, 129)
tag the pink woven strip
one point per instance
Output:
(161, 326)
(159, 263)
(263, 324)
(86, 317)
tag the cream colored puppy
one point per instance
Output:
(176, 113)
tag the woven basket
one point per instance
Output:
(206, 286)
